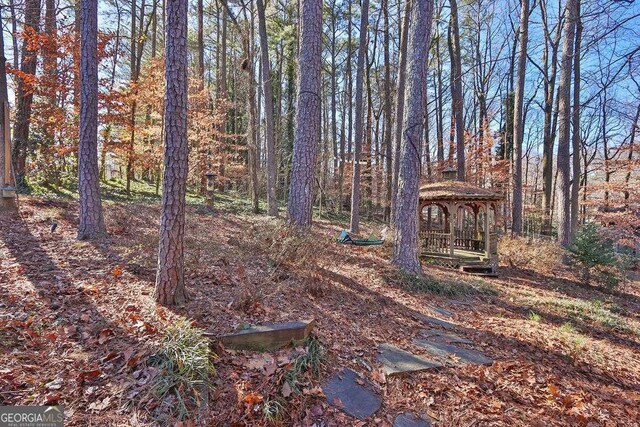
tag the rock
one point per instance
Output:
(452, 355)
(441, 311)
(269, 336)
(435, 321)
(397, 361)
(410, 420)
(355, 396)
(444, 337)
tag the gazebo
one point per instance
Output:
(458, 225)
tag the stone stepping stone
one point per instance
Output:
(396, 361)
(441, 311)
(268, 336)
(411, 420)
(453, 355)
(444, 337)
(435, 321)
(352, 394)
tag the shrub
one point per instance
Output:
(594, 257)
(185, 363)
(528, 253)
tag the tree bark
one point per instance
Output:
(170, 288)
(402, 77)
(388, 119)
(91, 219)
(308, 110)
(456, 89)
(405, 253)
(359, 131)
(575, 139)
(564, 123)
(267, 85)
(24, 94)
(516, 225)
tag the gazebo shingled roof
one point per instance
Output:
(451, 191)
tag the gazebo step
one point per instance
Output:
(477, 269)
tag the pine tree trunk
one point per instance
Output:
(170, 288)
(308, 110)
(388, 119)
(564, 123)
(91, 219)
(267, 84)
(405, 253)
(24, 96)
(402, 77)
(516, 225)
(359, 130)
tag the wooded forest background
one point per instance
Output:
(498, 72)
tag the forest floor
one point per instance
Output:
(78, 324)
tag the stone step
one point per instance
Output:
(396, 361)
(411, 420)
(352, 394)
(434, 321)
(268, 336)
(451, 355)
(444, 337)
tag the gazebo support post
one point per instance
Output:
(487, 233)
(453, 213)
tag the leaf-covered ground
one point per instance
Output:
(78, 324)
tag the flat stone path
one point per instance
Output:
(410, 420)
(397, 361)
(444, 337)
(354, 395)
(434, 321)
(452, 355)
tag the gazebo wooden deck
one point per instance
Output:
(457, 225)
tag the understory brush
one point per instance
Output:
(528, 253)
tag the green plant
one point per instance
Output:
(594, 257)
(535, 317)
(185, 363)
(272, 411)
(308, 361)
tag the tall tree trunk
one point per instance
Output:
(575, 170)
(252, 125)
(170, 287)
(24, 94)
(402, 77)
(267, 84)
(632, 139)
(357, 147)
(91, 219)
(349, 92)
(405, 250)
(5, 163)
(516, 225)
(456, 89)
(222, 97)
(388, 119)
(308, 110)
(564, 122)
(550, 57)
